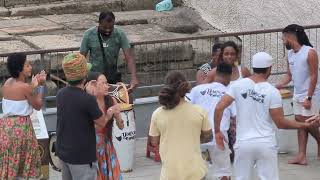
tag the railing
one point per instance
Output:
(154, 58)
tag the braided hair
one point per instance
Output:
(299, 32)
(176, 87)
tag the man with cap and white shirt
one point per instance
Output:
(259, 109)
(208, 96)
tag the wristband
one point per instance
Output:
(309, 98)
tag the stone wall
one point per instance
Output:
(246, 15)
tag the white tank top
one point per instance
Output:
(240, 75)
(299, 68)
(16, 108)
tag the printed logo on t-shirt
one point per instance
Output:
(212, 93)
(254, 95)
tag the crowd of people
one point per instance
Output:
(231, 112)
(243, 111)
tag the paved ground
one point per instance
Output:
(147, 169)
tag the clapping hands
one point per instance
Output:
(38, 79)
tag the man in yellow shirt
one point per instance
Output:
(180, 127)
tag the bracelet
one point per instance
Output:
(40, 89)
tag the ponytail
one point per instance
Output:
(176, 87)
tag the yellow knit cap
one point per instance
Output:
(75, 67)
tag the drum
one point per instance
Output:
(124, 140)
(54, 159)
(40, 130)
(283, 138)
(44, 154)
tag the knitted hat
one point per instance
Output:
(75, 67)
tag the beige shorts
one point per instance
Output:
(298, 108)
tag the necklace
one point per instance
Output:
(105, 44)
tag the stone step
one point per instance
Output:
(77, 6)
(68, 7)
(13, 3)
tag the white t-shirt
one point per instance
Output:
(253, 102)
(208, 96)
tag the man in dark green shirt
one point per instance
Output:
(104, 43)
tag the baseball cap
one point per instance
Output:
(261, 60)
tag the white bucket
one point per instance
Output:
(124, 140)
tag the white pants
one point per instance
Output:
(263, 155)
(221, 165)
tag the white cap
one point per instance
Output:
(261, 60)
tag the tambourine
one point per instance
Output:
(120, 93)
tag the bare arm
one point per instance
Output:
(117, 114)
(225, 102)
(34, 98)
(200, 77)
(132, 68)
(282, 123)
(313, 66)
(35, 91)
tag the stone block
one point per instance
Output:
(31, 29)
(176, 24)
(5, 36)
(141, 32)
(4, 11)
(130, 5)
(137, 17)
(94, 6)
(54, 41)
(10, 3)
(14, 46)
(163, 53)
(83, 25)
(201, 58)
(67, 8)
(18, 22)
(65, 18)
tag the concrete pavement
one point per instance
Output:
(147, 169)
